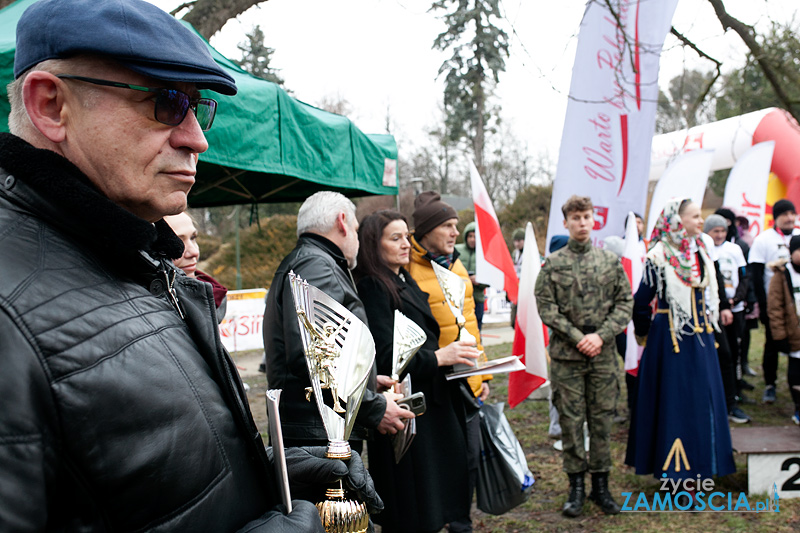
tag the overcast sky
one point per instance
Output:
(377, 54)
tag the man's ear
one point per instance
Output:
(43, 97)
(565, 222)
(341, 223)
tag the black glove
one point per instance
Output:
(304, 518)
(309, 470)
(782, 345)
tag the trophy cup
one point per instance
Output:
(455, 290)
(408, 339)
(339, 353)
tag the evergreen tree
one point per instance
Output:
(479, 49)
(256, 57)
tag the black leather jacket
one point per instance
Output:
(321, 263)
(116, 414)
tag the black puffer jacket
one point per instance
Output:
(115, 413)
(321, 263)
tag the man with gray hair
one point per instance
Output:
(326, 250)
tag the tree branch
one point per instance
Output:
(209, 16)
(718, 66)
(747, 34)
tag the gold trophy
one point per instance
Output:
(339, 353)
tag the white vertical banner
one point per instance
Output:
(605, 146)
(746, 190)
(685, 177)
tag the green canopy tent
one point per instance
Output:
(265, 146)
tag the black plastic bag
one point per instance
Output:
(504, 479)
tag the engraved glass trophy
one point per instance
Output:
(339, 353)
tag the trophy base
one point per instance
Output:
(338, 449)
(340, 515)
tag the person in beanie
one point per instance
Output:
(770, 245)
(732, 266)
(434, 239)
(783, 303)
(466, 252)
(584, 296)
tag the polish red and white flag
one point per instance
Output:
(530, 335)
(493, 263)
(633, 263)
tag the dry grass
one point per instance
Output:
(542, 511)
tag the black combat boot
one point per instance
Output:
(577, 495)
(600, 494)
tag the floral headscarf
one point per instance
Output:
(678, 246)
(672, 252)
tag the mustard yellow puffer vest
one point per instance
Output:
(421, 270)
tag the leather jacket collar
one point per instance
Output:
(54, 189)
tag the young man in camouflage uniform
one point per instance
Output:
(584, 296)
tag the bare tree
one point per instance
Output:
(209, 16)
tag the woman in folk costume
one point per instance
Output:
(681, 422)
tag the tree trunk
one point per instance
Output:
(209, 16)
(747, 34)
(4, 3)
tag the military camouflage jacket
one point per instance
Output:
(582, 289)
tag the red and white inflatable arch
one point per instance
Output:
(730, 138)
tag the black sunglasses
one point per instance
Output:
(171, 104)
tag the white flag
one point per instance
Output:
(633, 263)
(685, 177)
(746, 190)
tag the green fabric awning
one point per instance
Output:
(264, 146)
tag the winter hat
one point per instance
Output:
(794, 243)
(715, 221)
(429, 212)
(518, 235)
(780, 207)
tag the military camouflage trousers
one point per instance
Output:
(585, 391)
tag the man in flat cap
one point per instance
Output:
(119, 407)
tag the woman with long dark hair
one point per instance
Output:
(428, 488)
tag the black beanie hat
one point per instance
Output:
(780, 207)
(429, 212)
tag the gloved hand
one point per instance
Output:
(304, 518)
(309, 471)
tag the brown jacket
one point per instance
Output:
(783, 320)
